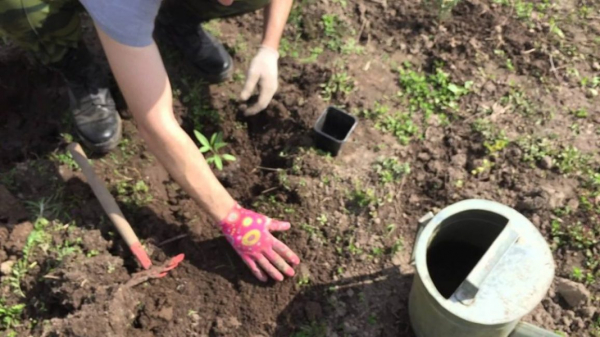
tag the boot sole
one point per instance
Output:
(107, 146)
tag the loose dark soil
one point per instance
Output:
(355, 274)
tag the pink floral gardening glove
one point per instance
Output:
(250, 235)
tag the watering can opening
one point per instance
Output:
(458, 245)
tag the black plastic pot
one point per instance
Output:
(333, 128)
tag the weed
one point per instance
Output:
(363, 197)
(351, 46)
(378, 111)
(577, 274)
(10, 316)
(214, 145)
(342, 3)
(92, 253)
(430, 93)
(397, 246)
(132, 193)
(443, 7)
(400, 125)
(8, 178)
(376, 251)
(518, 100)
(212, 27)
(199, 111)
(315, 52)
(534, 149)
(570, 159)
(339, 86)
(303, 281)
(37, 237)
(391, 170)
(494, 140)
(579, 113)
(312, 330)
(290, 48)
(333, 27)
(485, 166)
(65, 158)
(322, 219)
(522, 9)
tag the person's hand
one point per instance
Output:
(250, 235)
(263, 70)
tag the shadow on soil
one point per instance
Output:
(368, 305)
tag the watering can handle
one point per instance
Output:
(469, 288)
(423, 221)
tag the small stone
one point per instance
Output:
(546, 163)
(6, 267)
(566, 321)
(424, 156)
(377, 221)
(350, 328)
(575, 294)
(234, 322)
(588, 312)
(596, 66)
(166, 313)
(195, 318)
(569, 313)
(579, 323)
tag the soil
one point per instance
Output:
(355, 274)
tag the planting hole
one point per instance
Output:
(459, 244)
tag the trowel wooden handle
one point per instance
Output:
(106, 199)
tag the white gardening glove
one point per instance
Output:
(263, 70)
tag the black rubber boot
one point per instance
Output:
(97, 121)
(200, 48)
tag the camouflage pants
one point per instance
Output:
(48, 28)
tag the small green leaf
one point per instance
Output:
(228, 157)
(211, 159)
(213, 138)
(204, 149)
(218, 162)
(202, 139)
(219, 145)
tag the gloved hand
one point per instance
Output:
(250, 235)
(263, 70)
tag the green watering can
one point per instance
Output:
(480, 268)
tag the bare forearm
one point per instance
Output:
(145, 85)
(179, 155)
(276, 15)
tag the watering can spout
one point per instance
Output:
(528, 330)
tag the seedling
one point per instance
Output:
(214, 145)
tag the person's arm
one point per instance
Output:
(275, 17)
(263, 68)
(145, 85)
